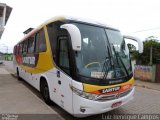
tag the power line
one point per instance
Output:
(145, 30)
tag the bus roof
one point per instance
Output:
(57, 18)
(60, 18)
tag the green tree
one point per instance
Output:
(151, 44)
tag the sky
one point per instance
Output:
(138, 18)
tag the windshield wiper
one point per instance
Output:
(106, 65)
(117, 55)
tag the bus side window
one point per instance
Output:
(31, 44)
(40, 41)
(52, 30)
(20, 48)
(25, 44)
(15, 50)
(63, 54)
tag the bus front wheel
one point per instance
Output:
(45, 92)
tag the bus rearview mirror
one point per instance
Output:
(74, 34)
(140, 43)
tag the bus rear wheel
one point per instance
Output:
(45, 92)
(18, 77)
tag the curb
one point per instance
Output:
(143, 86)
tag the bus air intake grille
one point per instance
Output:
(113, 96)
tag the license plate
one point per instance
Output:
(116, 104)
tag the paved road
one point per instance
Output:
(16, 97)
(147, 101)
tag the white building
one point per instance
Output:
(5, 12)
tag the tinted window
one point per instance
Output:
(31, 44)
(40, 41)
(20, 48)
(52, 30)
(63, 54)
(25, 44)
(15, 50)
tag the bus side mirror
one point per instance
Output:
(74, 34)
(140, 43)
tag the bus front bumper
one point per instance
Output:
(84, 107)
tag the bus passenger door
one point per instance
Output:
(63, 76)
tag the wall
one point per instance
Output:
(158, 73)
(145, 73)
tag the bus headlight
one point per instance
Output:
(84, 94)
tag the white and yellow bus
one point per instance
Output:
(82, 66)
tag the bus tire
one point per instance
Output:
(44, 89)
(18, 77)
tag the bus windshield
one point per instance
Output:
(103, 54)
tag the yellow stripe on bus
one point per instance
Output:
(92, 88)
(45, 62)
